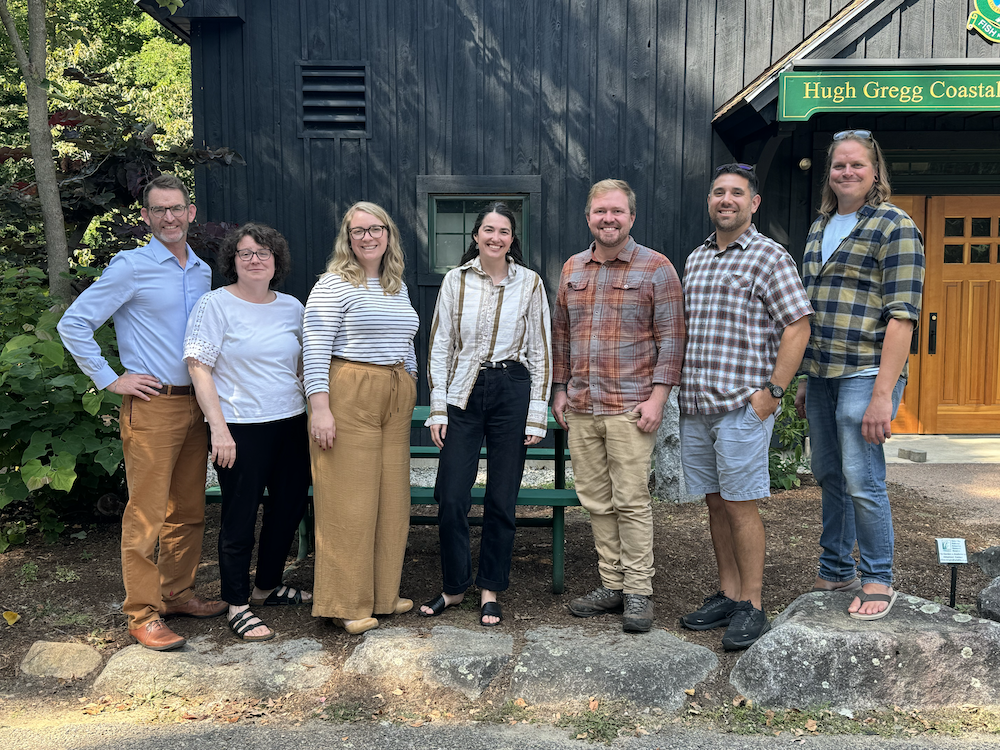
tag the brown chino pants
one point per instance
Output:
(165, 442)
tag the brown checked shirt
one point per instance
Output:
(618, 328)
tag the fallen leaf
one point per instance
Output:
(417, 723)
(593, 704)
(739, 700)
(11, 617)
(520, 702)
(191, 717)
(397, 691)
(689, 691)
(811, 725)
(582, 736)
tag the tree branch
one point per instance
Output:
(15, 40)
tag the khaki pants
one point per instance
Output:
(361, 491)
(165, 442)
(611, 467)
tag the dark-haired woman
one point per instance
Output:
(243, 347)
(489, 372)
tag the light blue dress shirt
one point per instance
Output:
(150, 297)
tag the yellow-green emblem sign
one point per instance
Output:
(986, 19)
(801, 95)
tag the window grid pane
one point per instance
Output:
(451, 222)
(954, 253)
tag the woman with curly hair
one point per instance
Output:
(243, 347)
(360, 379)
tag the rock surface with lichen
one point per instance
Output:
(921, 655)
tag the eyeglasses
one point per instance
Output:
(262, 254)
(159, 211)
(375, 230)
(738, 165)
(865, 135)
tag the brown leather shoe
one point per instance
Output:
(196, 607)
(156, 636)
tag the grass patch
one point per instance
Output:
(28, 573)
(66, 575)
(342, 713)
(511, 712)
(601, 722)
(895, 722)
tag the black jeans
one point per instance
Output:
(497, 411)
(274, 455)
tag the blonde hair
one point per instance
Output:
(343, 262)
(880, 191)
(608, 186)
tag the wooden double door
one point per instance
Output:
(954, 382)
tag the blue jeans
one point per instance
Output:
(851, 473)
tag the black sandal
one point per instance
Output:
(245, 621)
(437, 605)
(491, 609)
(289, 595)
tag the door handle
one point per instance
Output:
(932, 334)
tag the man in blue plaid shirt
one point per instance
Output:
(864, 273)
(748, 323)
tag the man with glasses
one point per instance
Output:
(617, 347)
(748, 324)
(149, 292)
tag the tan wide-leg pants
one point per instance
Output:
(611, 467)
(165, 442)
(361, 491)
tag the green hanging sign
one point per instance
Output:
(801, 94)
(986, 19)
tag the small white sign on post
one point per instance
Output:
(952, 551)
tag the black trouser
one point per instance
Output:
(274, 455)
(498, 411)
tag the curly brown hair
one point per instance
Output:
(264, 236)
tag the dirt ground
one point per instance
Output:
(72, 591)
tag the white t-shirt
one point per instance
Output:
(254, 350)
(835, 231)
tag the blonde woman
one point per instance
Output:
(360, 380)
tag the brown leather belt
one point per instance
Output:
(175, 390)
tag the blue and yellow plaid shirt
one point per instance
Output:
(876, 273)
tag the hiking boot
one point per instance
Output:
(638, 617)
(597, 602)
(745, 627)
(714, 612)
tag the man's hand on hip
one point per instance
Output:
(135, 384)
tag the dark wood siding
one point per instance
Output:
(573, 91)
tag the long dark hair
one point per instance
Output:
(513, 252)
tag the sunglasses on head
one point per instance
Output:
(865, 135)
(738, 165)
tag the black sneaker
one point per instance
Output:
(714, 612)
(598, 602)
(638, 617)
(745, 627)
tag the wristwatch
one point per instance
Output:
(775, 390)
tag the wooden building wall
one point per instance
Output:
(572, 91)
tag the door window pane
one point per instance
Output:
(953, 253)
(979, 254)
(981, 227)
(954, 227)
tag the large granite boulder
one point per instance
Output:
(921, 655)
(456, 658)
(989, 601)
(570, 664)
(67, 661)
(239, 671)
(988, 561)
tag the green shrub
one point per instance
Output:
(790, 431)
(59, 446)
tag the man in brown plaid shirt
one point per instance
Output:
(617, 349)
(748, 324)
